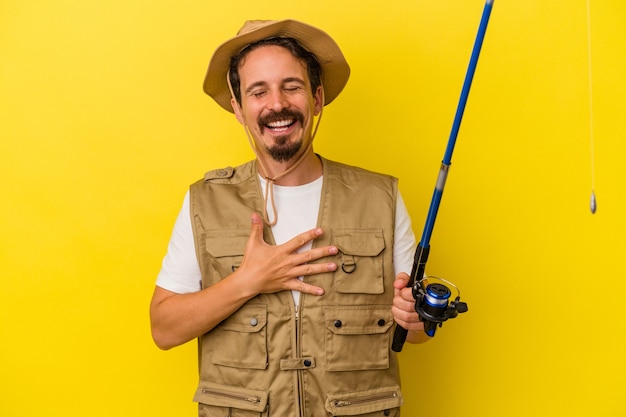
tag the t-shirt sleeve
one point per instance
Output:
(180, 272)
(404, 240)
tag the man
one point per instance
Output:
(283, 267)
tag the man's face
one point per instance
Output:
(278, 105)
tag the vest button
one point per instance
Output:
(222, 172)
(307, 362)
(387, 412)
(337, 323)
(381, 322)
(253, 322)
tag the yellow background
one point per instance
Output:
(103, 124)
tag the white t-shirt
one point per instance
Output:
(297, 209)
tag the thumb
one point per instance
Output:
(401, 281)
(256, 227)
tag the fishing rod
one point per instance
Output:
(432, 300)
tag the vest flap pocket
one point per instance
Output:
(358, 320)
(359, 242)
(363, 402)
(240, 341)
(360, 261)
(230, 242)
(357, 337)
(251, 318)
(228, 396)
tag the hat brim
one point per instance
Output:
(335, 69)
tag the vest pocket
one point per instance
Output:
(226, 248)
(241, 339)
(378, 402)
(360, 261)
(357, 337)
(216, 400)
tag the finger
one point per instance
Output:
(312, 269)
(407, 294)
(406, 319)
(405, 301)
(308, 288)
(302, 239)
(413, 327)
(315, 254)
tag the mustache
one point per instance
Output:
(273, 116)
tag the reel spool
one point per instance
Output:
(433, 304)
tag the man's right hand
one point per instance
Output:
(268, 269)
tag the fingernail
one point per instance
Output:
(333, 250)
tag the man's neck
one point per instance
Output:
(308, 170)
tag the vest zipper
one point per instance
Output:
(233, 396)
(366, 399)
(299, 354)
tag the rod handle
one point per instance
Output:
(419, 267)
(399, 337)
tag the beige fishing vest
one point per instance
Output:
(333, 356)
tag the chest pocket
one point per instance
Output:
(360, 261)
(225, 249)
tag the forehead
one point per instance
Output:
(271, 62)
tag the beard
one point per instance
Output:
(283, 148)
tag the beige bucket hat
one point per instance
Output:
(335, 69)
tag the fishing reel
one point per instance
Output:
(432, 302)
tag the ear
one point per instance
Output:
(237, 109)
(318, 97)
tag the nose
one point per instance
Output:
(277, 101)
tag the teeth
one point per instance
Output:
(280, 123)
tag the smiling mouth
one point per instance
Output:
(280, 126)
(280, 122)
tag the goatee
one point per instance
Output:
(283, 150)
